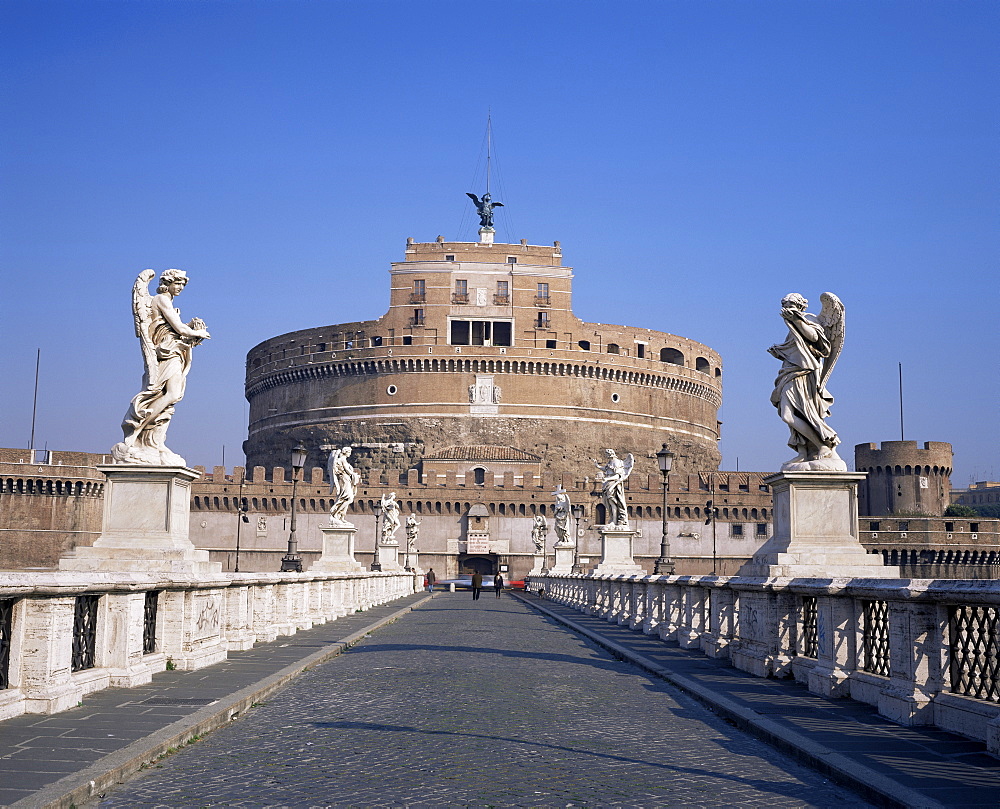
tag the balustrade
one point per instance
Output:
(63, 636)
(921, 652)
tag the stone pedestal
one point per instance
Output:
(386, 557)
(411, 561)
(616, 551)
(538, 568)
(816, 530)
(486, 235)
(338, 551)
(564, 559)
(146, 513)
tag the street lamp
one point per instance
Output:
(577, 512)
(377, 509)
(291, 561)
(664, 565)
(241, 517)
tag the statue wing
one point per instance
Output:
(629, 463)
(497, 204)
(142, 311)
(831, 318)
(474, 198)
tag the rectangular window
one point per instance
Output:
(460, 331)
(762, 529)
(419, 286)
(949, 527)
(904, 525)
(449, 258)
(542, 296)
(736, 529)
(873, 526)
(974, 527)
(480, 333)
(418, 317)
(640, 350)
(461, 286)
(543, 320)
(512, 259)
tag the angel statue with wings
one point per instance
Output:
(485, 208)
(614, 473)
(344, 482)
(390, 519)
(166, 343)
(807, 358)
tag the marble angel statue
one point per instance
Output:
(561, 513)
(807, 357)
(167, 343)
(344, 482)
(412, 532)
(614, 473)
(538, 533)
(390, 519)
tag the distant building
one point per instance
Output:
(480, 349)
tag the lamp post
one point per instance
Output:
(291, 561)
(664, 565)
(577, 512)
(241, 517)
(377, 508)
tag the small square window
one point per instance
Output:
(974, 527)
(512, 259)
(736, 529)
(949, 527)
(873, 526)
(449, 258)
(762, 529)
(550, 343)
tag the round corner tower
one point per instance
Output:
(480, 348)
(903, 479)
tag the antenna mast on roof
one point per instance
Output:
(489, 147)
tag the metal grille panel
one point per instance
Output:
(149, 622)
(975, 652)
(810, 638)
(875, 637)
(85, 632)
(6, 627)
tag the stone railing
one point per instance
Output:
(923, 652)
(64, 635)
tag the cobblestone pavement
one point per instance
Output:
(485, 703)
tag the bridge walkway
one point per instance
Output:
(485, 703)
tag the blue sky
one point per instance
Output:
(697, 160)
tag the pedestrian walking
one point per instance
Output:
(477, 585)
(498, 584)
(431, 579)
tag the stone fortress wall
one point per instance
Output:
(743, 521)
(50, 502)
(480, 347)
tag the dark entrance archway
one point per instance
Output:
(486, 564)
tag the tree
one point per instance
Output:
(958, 510)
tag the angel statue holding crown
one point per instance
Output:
(166, 343)
(807, 358)
(614, 473)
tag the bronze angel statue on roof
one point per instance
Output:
(807, 357)
(485, 208)
(166, 343)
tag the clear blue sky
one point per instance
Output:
(697, 160)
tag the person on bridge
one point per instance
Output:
(498, 584)
(431, 578)
(477, 585)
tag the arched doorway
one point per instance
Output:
(486, 564)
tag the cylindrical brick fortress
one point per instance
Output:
(903, 479)
(480, 347)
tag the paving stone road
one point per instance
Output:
(484, 703)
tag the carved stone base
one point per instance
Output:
(338, 551)
(538, 568)
(816, 530)
(146, 512)
(616, 551)
(564, 559)
(386, 558)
